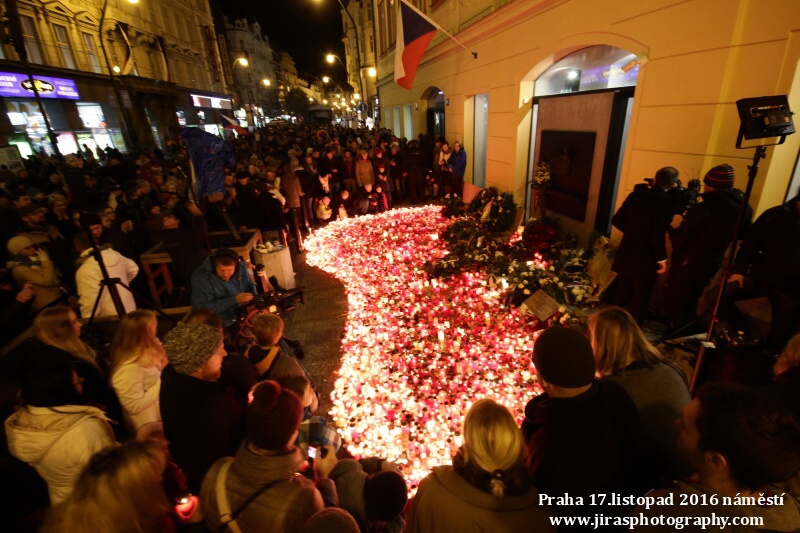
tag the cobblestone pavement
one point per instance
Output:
(318, 325)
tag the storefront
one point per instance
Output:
(77, 124)
(208, 109)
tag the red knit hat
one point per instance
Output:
(273, 416)
(720, 177)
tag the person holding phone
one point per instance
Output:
(258, 488)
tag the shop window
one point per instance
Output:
(91, 52)
(31, 37)
(64, 49)
(589, 69)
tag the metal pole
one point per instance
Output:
(123, 114)
(358, 49)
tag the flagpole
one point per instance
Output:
(423, 15)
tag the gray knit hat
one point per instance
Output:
(189, 346)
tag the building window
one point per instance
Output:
(31, 38)
(382, 24)
(62, 43)
(91, 52)
(390, 24)
(165, 20)
(371, 44)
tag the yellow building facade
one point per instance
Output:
(695, 59)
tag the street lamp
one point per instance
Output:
(242, 61)
(266, 82)
(326, 79)
(372, 72)
(115, 70)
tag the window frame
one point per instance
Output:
(64, 48)
(32, 38)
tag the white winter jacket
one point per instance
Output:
(88, 277)
(58, 442)
(138, 388)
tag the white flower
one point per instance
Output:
(526, 291)
(520, 286)
(562, 309)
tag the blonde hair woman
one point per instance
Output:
(137, 358)
(487, 487)
(658, 389)
(60, 327)
(119, 490)
(56, 332)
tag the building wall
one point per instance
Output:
(244, 39)
(180, 30)
(701, 56)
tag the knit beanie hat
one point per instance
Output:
(720, 177)
(17, 244)
(273, 416)
(385, 495)
(331, 520)
(189, 346)
(91, 219)
(564, 357)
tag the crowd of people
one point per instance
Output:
(187, 431)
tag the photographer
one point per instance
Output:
(643, 219)
(222, 284)
(699, 245)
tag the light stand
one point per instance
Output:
(761, 118)
(112, 284)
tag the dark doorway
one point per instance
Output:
(436, 113)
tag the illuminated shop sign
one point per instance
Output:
(20, 86)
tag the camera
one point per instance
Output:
(684, 197)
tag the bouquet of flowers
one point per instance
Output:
(541, 177)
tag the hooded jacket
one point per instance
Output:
(447, 502)
(285, 506)
(88, 278)
(58, 442)
(212, 292)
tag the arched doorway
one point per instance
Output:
(581, 111)
(435, 113)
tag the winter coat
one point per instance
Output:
(203, 421)
(705, 233)
(286, 506)
(458, 163)
(350, 477)
(138, 388)
(211, 292)
(659, 394)
(58, 442)
(43, 276)
(770, 251)
(88, 277)
(364, 172)
(643, 220)
(292, 190)
(446, 502)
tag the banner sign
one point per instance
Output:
(20, 86)
(212, 52)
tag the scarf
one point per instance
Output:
(15, 260)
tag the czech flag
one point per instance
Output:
(414, 33)
(231, 124)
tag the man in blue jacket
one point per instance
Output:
(222, 284)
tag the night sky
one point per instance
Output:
(307, 29)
